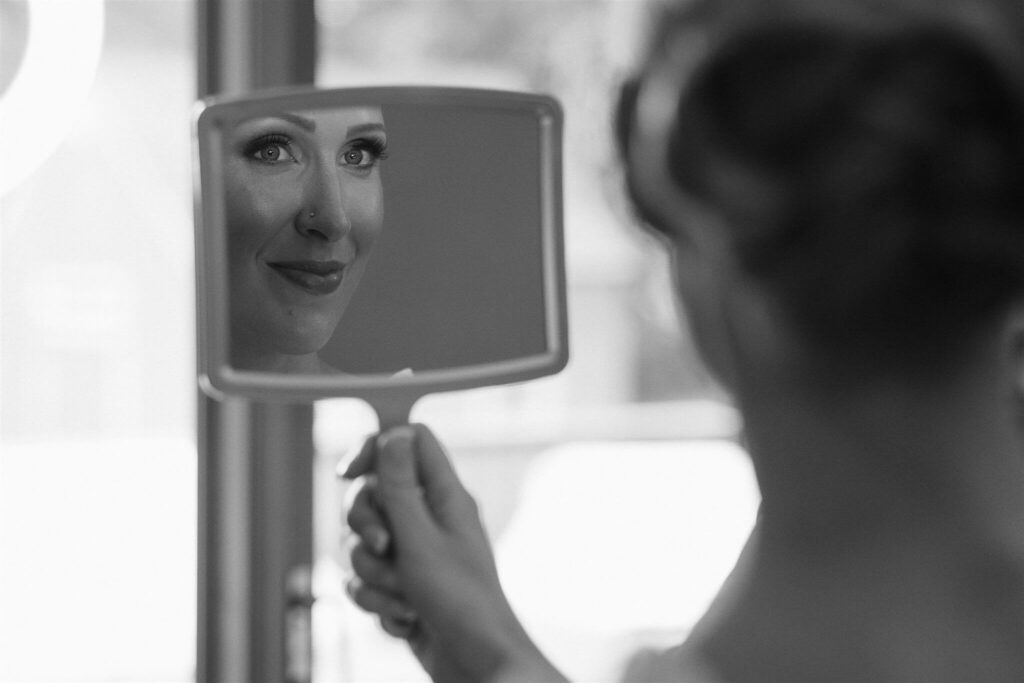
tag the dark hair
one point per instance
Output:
(868, 156)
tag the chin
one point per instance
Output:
(300, 342)
(301, 346)
(277, 332)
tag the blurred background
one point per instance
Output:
(615, 492)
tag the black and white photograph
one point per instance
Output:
(512, 341)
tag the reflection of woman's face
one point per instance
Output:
(304, 207)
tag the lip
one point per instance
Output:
(314, 277)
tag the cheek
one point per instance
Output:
(701, 305)
(367, 212)
(255, 214)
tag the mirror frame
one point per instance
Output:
(218, 379)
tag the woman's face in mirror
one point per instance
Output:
(304, 208)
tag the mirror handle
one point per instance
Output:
(393, 412)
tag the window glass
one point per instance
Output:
(98, 465)
(584, 477)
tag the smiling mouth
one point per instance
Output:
(315, 277)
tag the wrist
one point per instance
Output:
(531, 668)
(523, 662)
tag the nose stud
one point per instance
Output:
(312, 214)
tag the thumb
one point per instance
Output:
(450, 504)
(399, 488)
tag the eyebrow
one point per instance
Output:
(360, 128)
(300, 121)
(310, 124)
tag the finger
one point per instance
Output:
(446, 495)
(360, 463)
(364, 516)
(378, 602)
(374, 571)
(399, 628)
(399, 491)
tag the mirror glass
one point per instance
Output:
(364, 240)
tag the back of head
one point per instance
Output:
(868, 156)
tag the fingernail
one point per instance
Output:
(379, 540)
(349, 458)
(342, 467)
(396, 435)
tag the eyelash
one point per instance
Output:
(376, 147)
(269, 140)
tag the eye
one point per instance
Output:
(356, 157)
(271, 154)
(270, 149)
(364, 154)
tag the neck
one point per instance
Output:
(884, 460)
(890, 544)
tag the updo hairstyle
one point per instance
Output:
(868, 157)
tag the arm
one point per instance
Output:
(429, 571)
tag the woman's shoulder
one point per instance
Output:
(681, 664)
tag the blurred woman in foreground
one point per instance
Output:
(841, 187)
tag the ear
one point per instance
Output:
(699, 285)
(732, 320)
(1015, 349)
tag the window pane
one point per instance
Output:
(97, 496)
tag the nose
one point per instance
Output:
(322, 215)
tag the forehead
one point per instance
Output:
(341, 120)
(326, 124)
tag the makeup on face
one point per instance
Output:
(305, 204)
(289, 138)
(314, 277)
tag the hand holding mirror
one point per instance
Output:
(380, 243)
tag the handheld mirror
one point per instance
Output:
(379, 243)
